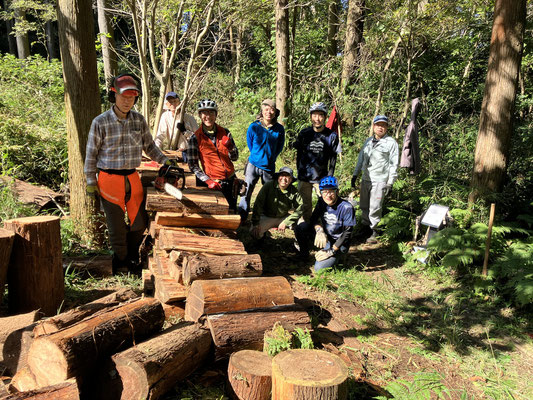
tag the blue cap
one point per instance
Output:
(381, 118)
(173, 95)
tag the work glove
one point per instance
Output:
(171, 163)
(354, 178)
(320, 238)
(211, 184)
(226, 141)
(92, 190)
(255, 232)
(181, 126)
(324, 254)
(387, 190)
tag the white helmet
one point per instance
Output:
(318, 107)
(207, 104)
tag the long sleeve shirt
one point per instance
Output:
(378, 160)
(265, 144)
(168, 134)
(337, 220)
(276, 203)
(316, 154)
(118, 144)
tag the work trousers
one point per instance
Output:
(371, 199)
(125, 239)
(252, 175)
(306, 191)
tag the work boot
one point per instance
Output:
(373, 239)
(118, 266)
(363, 234)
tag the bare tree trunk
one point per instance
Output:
(107, 37)
(51, 47)
(282, 58)
(333, 27)
(23, 45)
(12, 42)
(292, 49)
(495, 125)
(352, 43)
(82, 103)
(238, 53)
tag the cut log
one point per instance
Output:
(180, 219)
(214, 233)
(168, 267)
(94, 266)
(183, 241)
(16, 348)
(174, 311)
(167, 290)
(63, 391)
(301, 374)
(246, 329)
(6, 244)
(23, 381)
(250, 375)
(39, 196)
(205, 267)
(8, 325)
(35, 274)
(73, 351)
(152, 368)
(224, 295)
(68, 318)
(194, 201)
(148, 282)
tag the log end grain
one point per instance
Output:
(47, 362)
(250, 375)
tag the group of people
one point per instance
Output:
(118, 136)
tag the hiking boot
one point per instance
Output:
(373, 239)
(119, 266)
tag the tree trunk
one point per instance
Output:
(250, 375)
(6, 244)
(68, 318)
(206, 267)
(62, 391)
(76, 350)
(35, 274)
(51, 33)
(238, 53)
(23, 44)
(152, 368)
(12, 42)
(198, 220)
(246, 330)
(352, 42)
(307, 375)
(82, 105)
(107, 38)
(333, 27)
(237, 294)
(495, 125)
(282, 58)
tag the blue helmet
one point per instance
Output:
(328, 182)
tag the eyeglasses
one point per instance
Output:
(328, 192)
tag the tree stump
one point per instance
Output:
(75, 350)
(63, 391)
(68, 318)
(246, 329)
(35, 274)
(150, 369)
(250, 375)
(308, 375)
(223, 295)
(205, 267)
(6, 244)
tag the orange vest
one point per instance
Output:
(215, 160)
(113, 188)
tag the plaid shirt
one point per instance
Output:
(116, 144)
(193, 157)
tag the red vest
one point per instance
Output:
(215, 160)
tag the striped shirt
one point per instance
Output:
(118, 144)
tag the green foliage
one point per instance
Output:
(279, 339)
(424, 386)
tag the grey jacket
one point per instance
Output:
(379, 162)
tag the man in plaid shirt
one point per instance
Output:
(114, 149)
(213, 147)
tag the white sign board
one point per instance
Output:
(434, 216)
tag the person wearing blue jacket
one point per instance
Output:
(265, 138)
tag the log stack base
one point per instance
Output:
(250, 375)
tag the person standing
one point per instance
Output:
(330, 226)
(213, 147)
(171, 133)
(115, 144)
(316, 147)
(278, 204)
(265, 138)
(378, 162)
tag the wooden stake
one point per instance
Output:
(489, 233)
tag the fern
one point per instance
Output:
(425, 386)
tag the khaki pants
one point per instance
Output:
(306, 191)
(266, 223)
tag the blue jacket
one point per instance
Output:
(265, 145)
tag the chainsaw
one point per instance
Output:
(171, 179)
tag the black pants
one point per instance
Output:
(228, 191)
